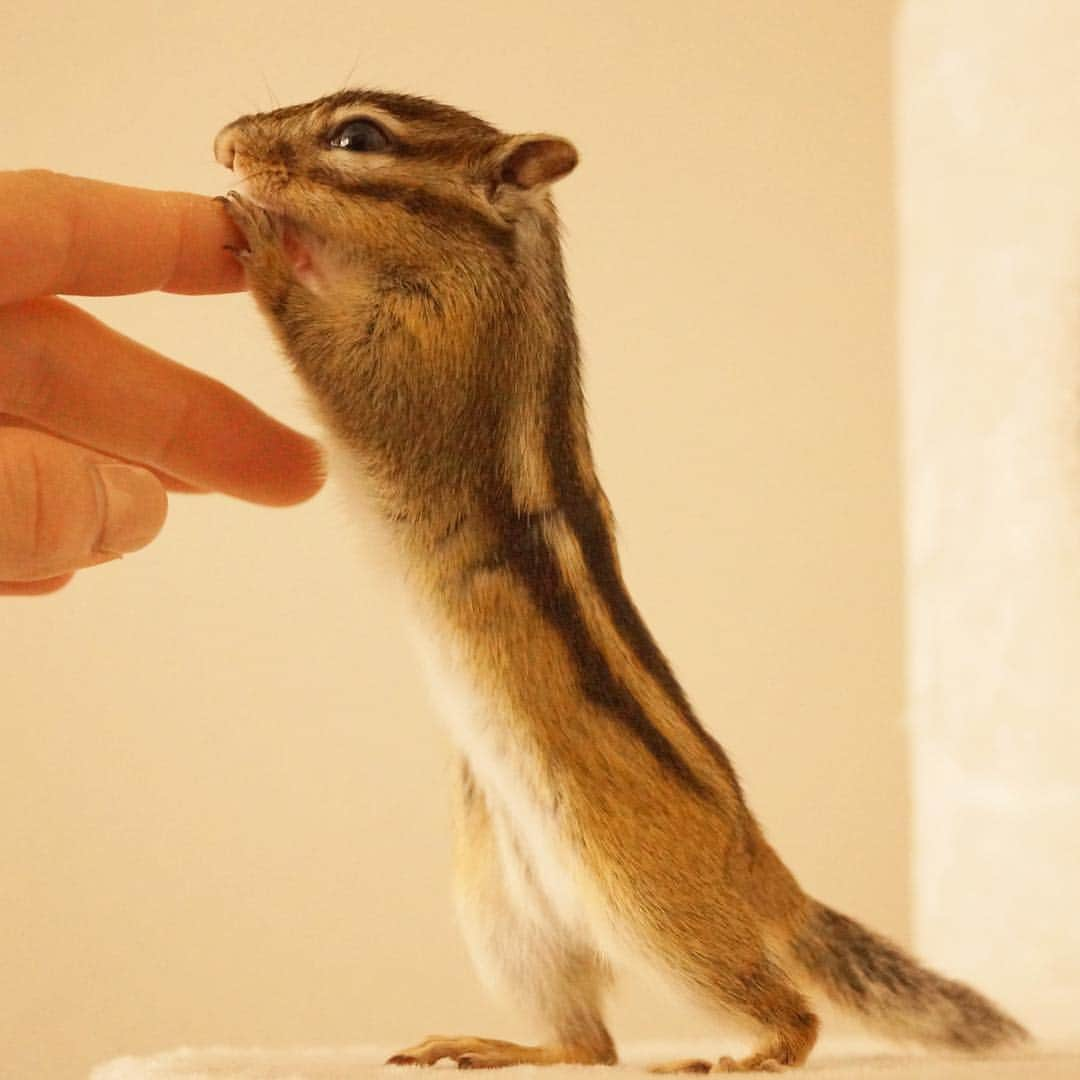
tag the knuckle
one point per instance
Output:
(31, 366)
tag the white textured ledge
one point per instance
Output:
(839, 1059)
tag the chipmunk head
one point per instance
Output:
(442, 167)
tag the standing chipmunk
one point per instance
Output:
(407, 255)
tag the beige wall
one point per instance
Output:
(988, 176)
(222, 801)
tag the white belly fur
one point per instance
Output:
(512, 787)
(501, 767)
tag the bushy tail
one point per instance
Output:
(894, 994)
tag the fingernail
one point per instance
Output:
(135, 508)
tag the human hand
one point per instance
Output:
(94, 427)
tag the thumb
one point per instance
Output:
(133, 504)
(63, 507)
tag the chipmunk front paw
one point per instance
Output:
(259, 227)
(265, 258)
(279, 254)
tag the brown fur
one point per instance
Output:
(419, 292)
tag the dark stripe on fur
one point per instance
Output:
(410, 108)
(406, 107)
(525, 551)
(587, 521)
(425, 204)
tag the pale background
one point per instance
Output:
(988, 205)
(222, 800)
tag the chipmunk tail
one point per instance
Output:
(865, 974)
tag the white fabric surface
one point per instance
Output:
(839, 1059)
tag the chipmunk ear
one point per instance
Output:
(535, 160)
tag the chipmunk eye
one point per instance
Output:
(360, 136)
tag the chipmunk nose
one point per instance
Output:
(225, 146)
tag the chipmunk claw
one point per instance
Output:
(426, 1052)
(479, 1053)
(255, 222)
(755, 1063)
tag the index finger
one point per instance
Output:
(66, 234)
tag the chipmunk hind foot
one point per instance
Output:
(479, 1053)
(785, 1047)
(753, 1063)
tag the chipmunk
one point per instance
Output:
(407, 255)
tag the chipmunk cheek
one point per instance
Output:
(298, 251)
(302, 251)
